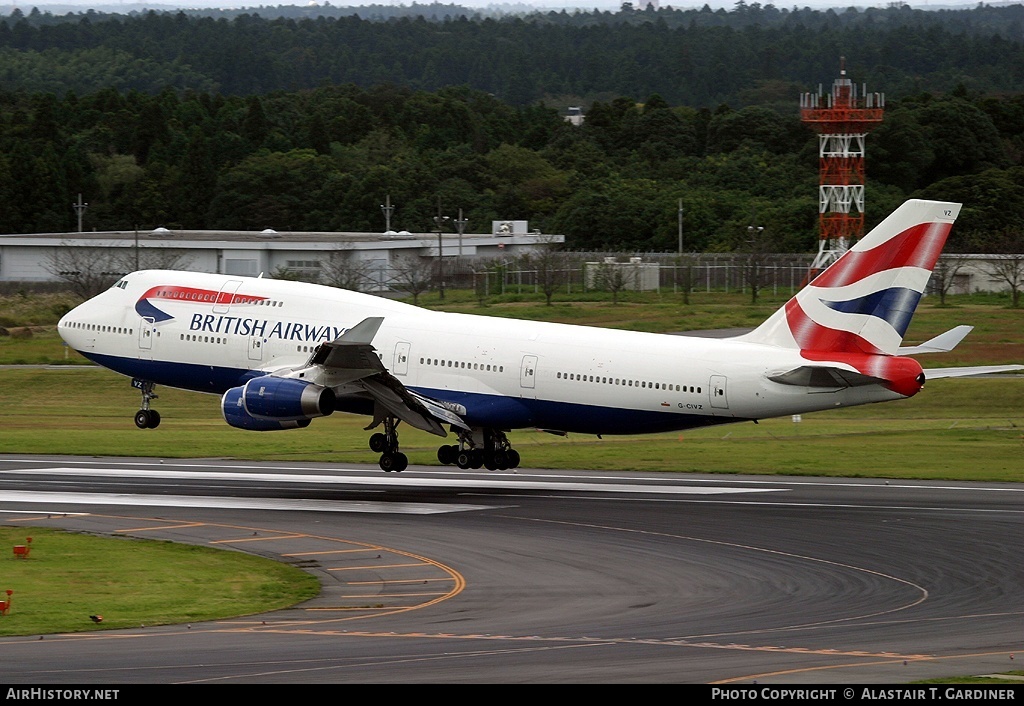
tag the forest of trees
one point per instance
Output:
(191, 120)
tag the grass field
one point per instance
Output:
(69, 577)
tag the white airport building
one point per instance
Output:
(333, 258)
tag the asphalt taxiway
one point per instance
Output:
(451, 576)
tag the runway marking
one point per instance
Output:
(267, 538)
(171, 525)
(346, 469)
(302, 504)
(390, 582)
(378, 662)
(375, 566)
(36, 515)
(503, 482)
(329, 552)
(899, 659)
(586, 640)
(398, 595)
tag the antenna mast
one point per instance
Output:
(842, 119)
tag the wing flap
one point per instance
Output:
(400, 403)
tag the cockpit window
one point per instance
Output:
(122, 284)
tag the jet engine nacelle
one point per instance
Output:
(270, 403)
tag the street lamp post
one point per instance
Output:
(80, 210)
(439, 222)
(680, 227)
(754, 238)
(388, 209)
(684, 261)
(460, 223)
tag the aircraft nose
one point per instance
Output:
(65, 329)
(63, 325)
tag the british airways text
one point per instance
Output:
(286, 330)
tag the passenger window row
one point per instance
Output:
(99, 328)
(203, 339)
(463, 365)
(642, 384)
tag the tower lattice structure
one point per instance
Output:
(842, 119)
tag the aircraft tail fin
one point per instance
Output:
(863, 302)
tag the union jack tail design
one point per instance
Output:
(862, 304)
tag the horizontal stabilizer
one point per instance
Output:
(943, 343)
(936, 373)
(824, 376)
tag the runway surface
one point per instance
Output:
(451, 576)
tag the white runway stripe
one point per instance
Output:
(50, 501)
(390, 480)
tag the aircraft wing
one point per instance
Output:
(351, 361)
(936, 373)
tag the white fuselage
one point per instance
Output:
(208, 333)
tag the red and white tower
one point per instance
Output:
(842, 120)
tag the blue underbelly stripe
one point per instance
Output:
(487, 411)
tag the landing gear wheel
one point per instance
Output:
(378, 443)
(447, 455)
(154, 419)
(513, 458)
(142, 419)
(396, 462)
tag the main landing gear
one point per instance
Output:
(386, 444)
(489, 448)
(146, 418)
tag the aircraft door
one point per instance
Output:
(226, 296)
(718, 396)
(402, 358)
(256, 344)
(528, 372)
(147, 332)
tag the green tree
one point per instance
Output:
(270, 190)
(963, 139)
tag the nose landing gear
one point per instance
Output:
(146, 418)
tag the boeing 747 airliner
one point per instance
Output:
(282, 353)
